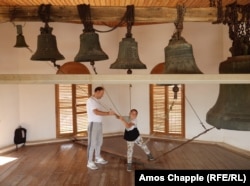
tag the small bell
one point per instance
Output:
(179, 58)
(128, 57)
(20, 40)
(46, 46)
(90, 48)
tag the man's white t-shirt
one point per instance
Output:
(92, 104)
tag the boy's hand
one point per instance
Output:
(121, 118)
(117, 116)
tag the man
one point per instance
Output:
(95, 137)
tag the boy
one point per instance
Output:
(132, 136)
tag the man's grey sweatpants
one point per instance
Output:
(95, 139)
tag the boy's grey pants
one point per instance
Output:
(95, 139)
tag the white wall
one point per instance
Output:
(9, 94)
(34, 105)
(9, 113)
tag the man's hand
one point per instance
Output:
(111, 112)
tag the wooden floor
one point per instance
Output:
(65, 164)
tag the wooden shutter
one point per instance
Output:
(159, 108)
(71, 109)
(82, 94)
(167, 113)
(64, 109)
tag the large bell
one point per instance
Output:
(46, 46)
(90, 48)
(128, 57)
(232, 108)
(20, 41)
(179, 58)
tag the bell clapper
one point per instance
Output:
(175, 90)
(92, 63)
(129, 71)
(55, 65)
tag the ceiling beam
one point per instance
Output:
(125, 79)
(105, 15)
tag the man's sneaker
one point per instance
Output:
(101, 161)
(129, 167)
(150, 157)
(92, 165)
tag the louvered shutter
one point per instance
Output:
(166, 112)
(65, 109)
(71, 109)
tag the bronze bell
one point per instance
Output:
(128, 57)
(20, 41)
(232, 108)
(46, 46)
(179, 58)
(90, 48)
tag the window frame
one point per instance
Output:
(159, 69)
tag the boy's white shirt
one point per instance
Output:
(134, 121)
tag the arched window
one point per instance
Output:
(167, 111)
(71, 114)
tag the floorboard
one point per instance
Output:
(65, 163)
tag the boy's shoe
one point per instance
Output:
(129, 167)
(92, 165)
(101, 161)
(150, 157)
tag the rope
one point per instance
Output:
(100, 103)
(163, 154)
(112, 102)
(195, 113)
(130, 86)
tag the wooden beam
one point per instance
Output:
(125, 79)
(102, 15)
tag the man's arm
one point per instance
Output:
(102, 113)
